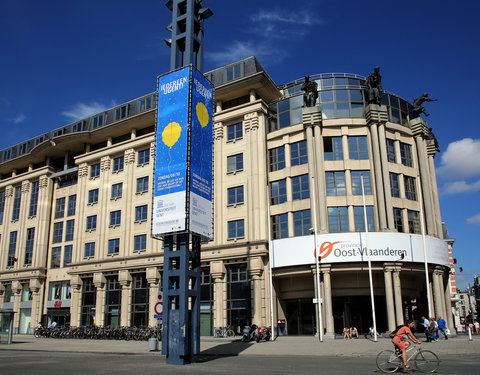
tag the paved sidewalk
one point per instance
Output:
(282, 346)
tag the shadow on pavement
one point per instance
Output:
(230, 349)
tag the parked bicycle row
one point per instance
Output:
(94, 332)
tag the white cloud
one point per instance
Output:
(240, 50)
(82, 110)
(461, 159)
(475, 219)
(459, 187)
(299, 18)
(20, 118)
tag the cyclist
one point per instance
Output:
(399, 341)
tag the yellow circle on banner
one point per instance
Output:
(202, 114)
(171, 133)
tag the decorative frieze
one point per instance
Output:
(376, 114)
(42, 182)
(9, 191)
(105, 163)
(250, 122)
(419, 127)
(129, 156)
(83, 170)
(218, 131)
(26, 187)
(312, 116)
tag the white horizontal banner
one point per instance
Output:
(352, 247)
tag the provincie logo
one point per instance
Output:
(352, 250)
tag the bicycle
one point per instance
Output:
(224, 332)
(425, 361)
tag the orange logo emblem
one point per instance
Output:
(325, 249)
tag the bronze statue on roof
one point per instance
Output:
(418, 107)
(310, 92)
(373, 87)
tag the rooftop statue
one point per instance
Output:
(373, 87)
(431, 136)
(310, 94)
(417, 104)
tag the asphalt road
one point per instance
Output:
(29, 362)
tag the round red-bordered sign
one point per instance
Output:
(159, 308)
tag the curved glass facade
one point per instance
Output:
(340, 95)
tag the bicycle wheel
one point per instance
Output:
(230, 333)
(388, 362)
(426, 361)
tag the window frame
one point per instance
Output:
(143, 157)
(236, 162)
(118, 164)
(237, 132)
(235, 193)
(235, 229)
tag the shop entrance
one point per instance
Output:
(356, 311)
(300, 314)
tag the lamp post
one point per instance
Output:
(317, 271)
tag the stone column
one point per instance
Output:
(219, 169)
(320, 170)
(397, 288)
(36, 314)
(437, 296)
(328, 301)
(217, 271)
(76, 301)
(125, 280)
(387, 275)
(153, 279)
(256, 272)
(432, 149)
(17, 292)
(386, 176)
(448, 311)
(99, 282)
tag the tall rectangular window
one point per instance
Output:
(69, 230)
(359, 216)
(235, 195)
(140, 242)
(298, 152)
(357, 148)
(95, 170)
(143, 157)
(93, 196)
(394, 185)
(278, 191)
(12, 248)
(67, 255)
(141, 213)
(276, 158)
(114, 246)
(97, 121)
(406, 154)
(410, 188)
(234, 131)
(121, 112)
(117, 191)
(357, 182)
(118, 164)
(142, 185)
(279, 226)
(115, 218)
(72, 202)
(60, 208)
(29, 246)
(234, 163)
(414, 221)
(236, 229)
(32, 211)
(301, 223)
(139, 303)
(57, 232)
(300, 189)
(335, 183)
(17, 199)
(2, 205)
(91, 222)
(89, 250)
(337, 219)
(398, 219)
(391, 154)
(332, 148)
(56, 255)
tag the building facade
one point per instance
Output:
(75, 213)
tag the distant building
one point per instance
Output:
(75, 212)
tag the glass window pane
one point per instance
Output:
(328, 110)
(296, 116)
(341, 95)
(343, 110)
(356, 96)
(326, 96)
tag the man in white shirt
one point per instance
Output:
(426, 326)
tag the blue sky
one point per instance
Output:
(64, 60)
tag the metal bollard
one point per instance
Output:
(469, 334)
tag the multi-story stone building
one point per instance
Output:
(75, 211)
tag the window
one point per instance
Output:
(358, 214)
(300, 189)
(117, 191)
(236, 229)
(234, 163)
(115, 218)
(139, 302)
(144, 157)
(60, 208)
(234, 132)
(280, 226)
(332, 148)
(235, 195)
(276, 158)
(145, 104)
(67, 255)
(72, 202)
(142, 185)
(89, 250)
(406, 154)
(413, 221)
(91, 223)
(357, 148)
(29, 246)
(57, 232)
(278, 191)
(394, 185)
(357, 182)
(140, 242)
(118, 164)
(141, 213)
(234, 71)
(335, 183)
(69, 230)
(97, 122)
(398, 219)
(16, 203)
(56, 255)
(298, 152)
(391, 155)
(238, 296)
(410, 188)
(93, 196)
(337, 219)
(113, 246)
(33, 200)
(2, 205)
(95, 170)
(301, 223)
(121, 112)
(12, 248)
